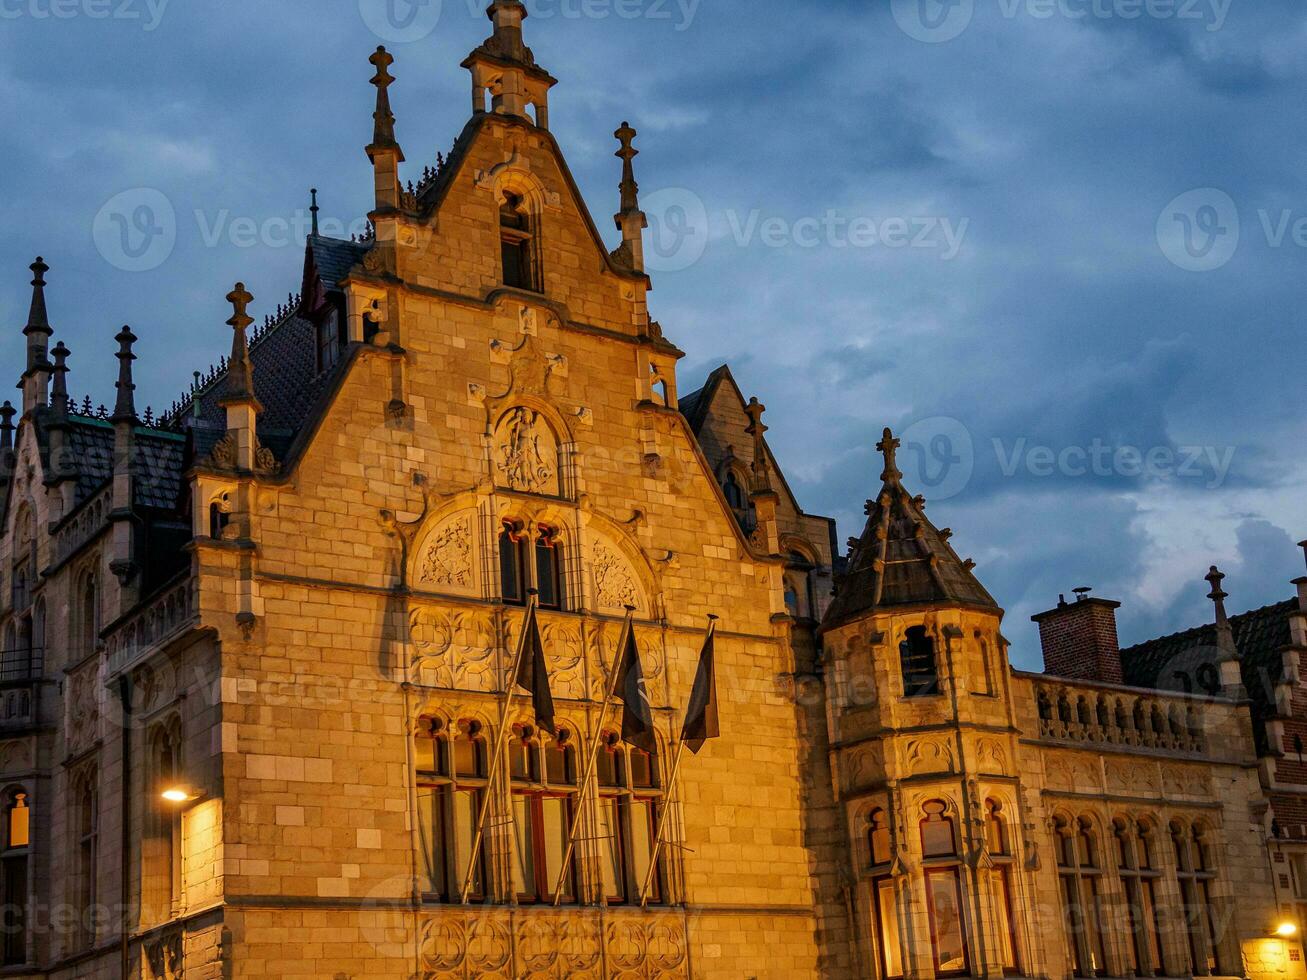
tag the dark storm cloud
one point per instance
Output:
(1047, 147)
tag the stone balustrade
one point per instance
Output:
(1119, 716)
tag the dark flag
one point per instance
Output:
(701, 714)
(533, 675)
(637, 717)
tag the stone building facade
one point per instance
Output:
(257, 655)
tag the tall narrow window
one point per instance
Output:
(999, 844)
(549, 567)
(451, 778)
(87, 854)
(885, 907)
(1080, 875)
(1134, 861)
(917, 659)
(512, 563)
(543, 807)
(515, 243)
(88, 614)
(17, 842)
(939, 850)
(1195, 873)
(630, 802)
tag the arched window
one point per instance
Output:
(513, 546)
(1134, 862)
(544, 799)
(917, 659)
(999, 843)
(13, 882)
(219, 516)
(88, 614)
(161, 844)
(939, 851)
(1195, 873)
(731, 489)
(451, 781)
(515, 242)
(86, 821)
(1080, 875)
(889, 944)
(549, 567)
(630, 799)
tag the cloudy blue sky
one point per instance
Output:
(1053, 242)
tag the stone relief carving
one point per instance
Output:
(575, 945)
(453, 648)
(526, 453)
(562, 642)
(83, 711)
(989, 751)
(614, 584)
(448, 557)
(165, 958)
(930, 755)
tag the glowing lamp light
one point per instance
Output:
(179, 794)
(1286, 929)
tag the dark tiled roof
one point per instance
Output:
(1188, 661)
(695, 405)
(901, 560)
(160, 462)
(334, 258)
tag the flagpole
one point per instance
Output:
(499, 746)
(667, 799)
(609, 686)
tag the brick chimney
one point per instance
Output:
(1079, 639)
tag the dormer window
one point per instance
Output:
(917, 659)
(331, 338)
(515, 243)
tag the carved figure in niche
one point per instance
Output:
(525, 454)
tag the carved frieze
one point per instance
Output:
(446, 560)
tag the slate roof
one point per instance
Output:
(160, 462)
(1187, 661)
(901, 559)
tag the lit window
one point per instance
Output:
(542, 817)
(1196, 876)
(13, 880)
(1081, 886)
(451, 781)
(878, 837)
(944, 890)
(1004, 875)
(629, 805)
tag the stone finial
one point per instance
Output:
(627, 153)
(383, 132)
(1224, 633)
(506, 41)
(313, 209)
(59, 388)
(888, 447)
(38, 321)
(1303, 546)
(761, 466)
(240, 372)
(124, 409)
(7, 413)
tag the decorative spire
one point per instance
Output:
(761, 466)
(383, 133)
(313, 210)
(888, 447)
(7, 413)
(240, 372)
(1224, 633)
(627, 153)
(505, 67)
(124, 409)
(59, 390)
(38, 321)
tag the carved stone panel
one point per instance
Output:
(526, 453)
(446, 561)
(453, 648)
(615, 585)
